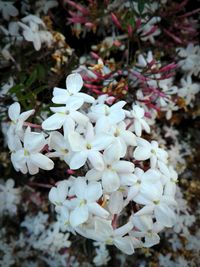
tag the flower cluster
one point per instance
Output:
(120, 167)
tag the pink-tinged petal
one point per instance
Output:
(112, 153)
(110, 181)
(78, 216)
(93, 191)
(93, 175)
(124, 244)
(80, 187)
(96, 159)
(116, 202)
(78, 160)
(25, 115)
(32, 168)
(42, 161)
(54, 122)
(96, 209)
(14, 111)
(141, 153)
(165, 215)
(34, 142)
(76, 141)
(123, 166)
(101, 141)
(74, 83)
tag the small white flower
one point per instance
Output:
(146, 150)
(137, 113)
(61, 147)
(74, 83)
(17, 119)
(29, 159)
(88, 148)
(85, 202)
(8, 9)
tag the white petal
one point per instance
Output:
(96, 159)
(74, 83)
(96, 209)
(165, 215)
(54, 122)
(116, 202)
(76, 141)
(80, 187)
(78, 216)
(93, 191)
(32, 168)
(78, 160)
(93, 175)
(124, 244)
(14, 111)
(123, 166)
(34, 142)
(141, 153)
(42, 161)
(110, 181)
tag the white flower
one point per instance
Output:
(65, 116)
(104, 232)
(147, 229)
(141, 180)
(9, 197)
(32, 32)
(17, 119)
(58, 194)
(85, 202)
(61, 147)
(8, 10)
(104, 115)
(122, 136)
(88, 148)
(137, 113)
(29, 159)
(43, 6)
(162, 206)
(190, 62)
(146, 150)
(188, 90)
(74, 83)
(114, 169)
